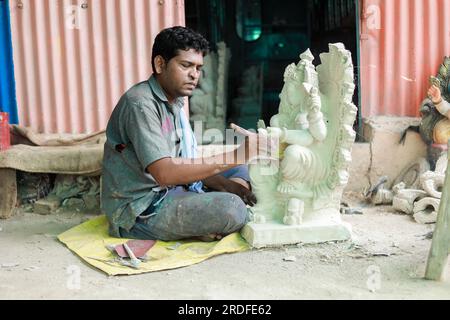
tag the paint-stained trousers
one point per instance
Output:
(184, 214)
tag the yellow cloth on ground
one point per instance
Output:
(89, 240)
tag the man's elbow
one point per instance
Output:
(161, 179)
(160, 174)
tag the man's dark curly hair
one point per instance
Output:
(170, 40)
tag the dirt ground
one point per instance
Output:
(385, 260)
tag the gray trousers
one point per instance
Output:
(185, 214)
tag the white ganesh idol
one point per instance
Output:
(299, 194)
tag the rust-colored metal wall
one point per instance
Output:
(402, 43)
(73, 59)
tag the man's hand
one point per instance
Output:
(434, 93)
(222, 184)
(256, 145)
(238, 189)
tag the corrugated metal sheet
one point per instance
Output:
(75, 58)
(403, 42)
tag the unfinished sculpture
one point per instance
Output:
(203, 97)
(434, 127)
(208, 102)
(425, 210)
(404, 199)
(299, 199)
(432, 182)
(425, 178)
(224, 55)
(248, 104)
(421, 203)
(378, 194)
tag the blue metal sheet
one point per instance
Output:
(7, 84)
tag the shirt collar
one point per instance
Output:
(156, 88)
(159, 92)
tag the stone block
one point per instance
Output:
(47, 205)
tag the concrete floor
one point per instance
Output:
(385, 260)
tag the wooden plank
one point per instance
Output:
(440, 247)
(8, 192)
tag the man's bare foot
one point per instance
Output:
(209, 238)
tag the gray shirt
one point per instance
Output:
(143, 128)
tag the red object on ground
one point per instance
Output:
(5, 140)
(139, 248)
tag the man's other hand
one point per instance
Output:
(238, 189)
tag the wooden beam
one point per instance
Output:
(440, 247)
(8, 192)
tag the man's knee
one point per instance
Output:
(235, 213)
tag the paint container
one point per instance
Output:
(5, 140)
